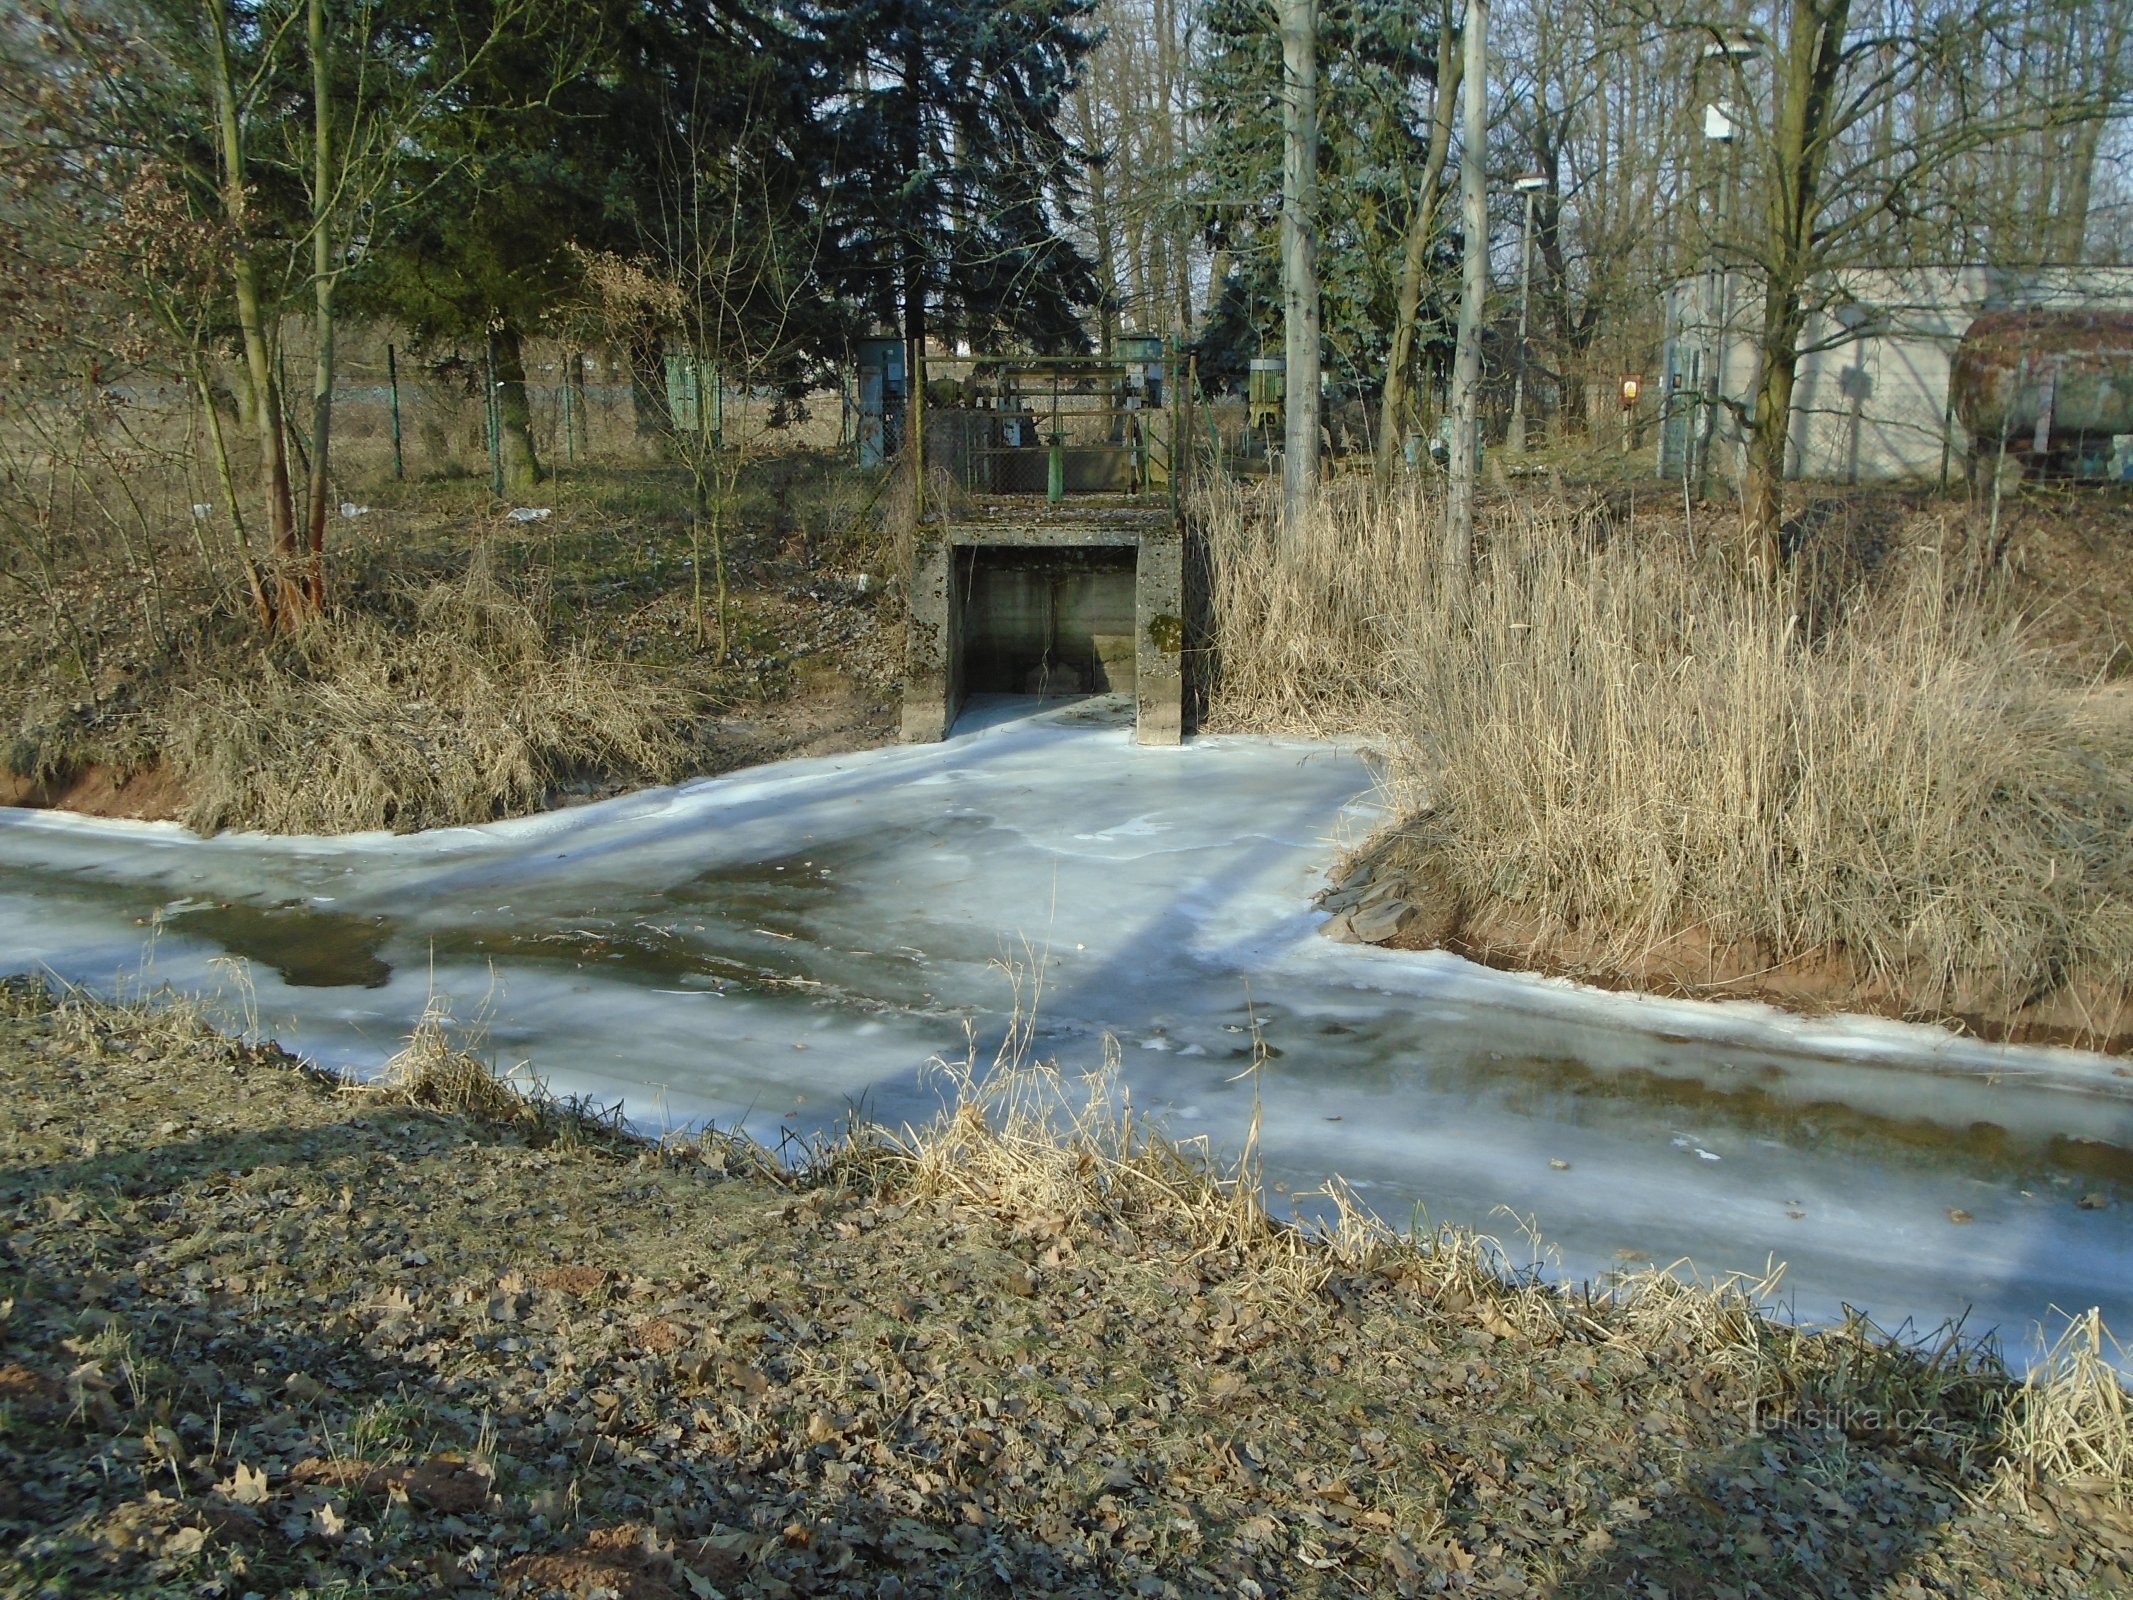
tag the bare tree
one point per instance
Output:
(1299, 258)
(1594, 100)
(1466, 363)
(1421, 234)
(1861, 125)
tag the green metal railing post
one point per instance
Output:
(493, 417)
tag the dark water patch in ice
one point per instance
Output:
(1757, 1107)
(310, 948)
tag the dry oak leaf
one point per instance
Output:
(247, 1486)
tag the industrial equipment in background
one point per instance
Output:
(877, 401)
(2048, 394)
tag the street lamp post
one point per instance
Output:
(1515, 441)
(1721, 127)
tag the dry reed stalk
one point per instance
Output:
(438, 1069)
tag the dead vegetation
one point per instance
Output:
(457, 710)
(1609, 744)
(265, 1333)
(469, 665)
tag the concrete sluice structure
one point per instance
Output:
(1056, 564)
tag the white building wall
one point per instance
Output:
(1870, 400)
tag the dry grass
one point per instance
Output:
(459, 711)
(818, 1382)
(440, 1069)
(1609, 730)
(2070, 1424)
(1054, 1152)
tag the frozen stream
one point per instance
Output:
(772, 947)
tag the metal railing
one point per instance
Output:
(1057, 426)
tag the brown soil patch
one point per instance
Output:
(27, 1391)
(660, 1337)
(627, 1563)
(1695, 965)
(448, 1484)
(342, 1472)
(580, 1281)
(152, 794)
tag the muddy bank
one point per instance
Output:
(269, 1334)
(151, 794)
(1388, 896)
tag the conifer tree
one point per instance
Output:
(949, 180)
(1376, 65)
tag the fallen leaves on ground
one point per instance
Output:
(270, 1338)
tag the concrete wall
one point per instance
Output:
(1871, 396)
(1051, 601)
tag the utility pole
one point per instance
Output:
(1530, 185)
(1466, 362)
(1299, 259)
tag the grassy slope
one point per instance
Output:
(263, 1335)
(473, 666)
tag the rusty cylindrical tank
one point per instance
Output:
(2056, 387)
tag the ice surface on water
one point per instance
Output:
(776, 946)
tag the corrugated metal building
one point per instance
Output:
(1871, 399)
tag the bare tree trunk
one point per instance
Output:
(1466, 364)
(1762, 485)
(514, 413)
(651, 417)
(265, 396)
(914, 264)
(1101, 223)
(1299, 258)
(1421, 230)
(226, 475)
(1807, 72)
(322, 284)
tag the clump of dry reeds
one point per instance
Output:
(459, 712)
(442, 1068)
(439, 1068)
(1614, 732)
(2071, 1423)
(1020, 1135)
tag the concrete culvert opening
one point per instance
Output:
(1048, 621)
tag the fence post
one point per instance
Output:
(570, 421)
(491, 418)
(392, 386)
